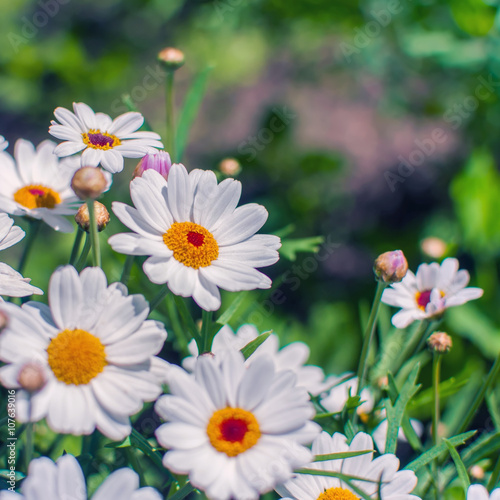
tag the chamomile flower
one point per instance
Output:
(64, 480)
(382, 473)
(479, 492)
(291, 357)
(11, 282)
(96, 349)
(428, 293)
(37, 185)
(197, 240)
(237, 430)
(101, 139)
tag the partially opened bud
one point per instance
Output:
(89, 182)
(171, 58)
(230, 167)
(31, 377)
(101, 215)
(159, 161)
(391, 267)
(4, 320)
(440, 342)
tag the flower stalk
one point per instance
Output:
(94, 234)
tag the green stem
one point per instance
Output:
(206, 329)
(418, 337)
(169, 104)
(436, 371)
(76, 246)
(156, 300)
(370, 330)
(494, 371)
(495, 476)
(188, 321)
(179, 332)
(94, 235)
(134, 462)
(183, 492)
(127, 267)
(85, 253)
(33, 231)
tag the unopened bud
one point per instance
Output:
(171, 58)
(433, 247)
(101, 216)
(391, 267)
(88, 182)
(383, 382)
(31, 377)
(440, 342)
(230, 167)
(477, 472)
(159, 161)
(4, 320)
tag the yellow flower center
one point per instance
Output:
(37, 196)
(96, 139)
(337, 494)
(233, 431)
(76, 356)
(192, 244)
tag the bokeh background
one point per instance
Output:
(373, 124)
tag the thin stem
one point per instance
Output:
(134, 462)
(370, 329)
(156, 300)
(183, 492)
(179, 332)
(495, 476)
(94, 235)
(188, 321)
(206, 328)
(127, 267)
(418, 337)
(494, 371)
(33, 231)
(436, 372)
(169, 97)
(85, 253)
(76, 246)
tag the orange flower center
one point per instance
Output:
(337, 494)
(37, 196)
(192, 244)
(96, 139)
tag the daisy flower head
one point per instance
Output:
(379, 473)
(428, 293)
(479, 492)
(95, 348)
(237, 430)
(101, 139)
(197, 240)
(36, 184)
(11, 282)
(64, 480)
(291, 357)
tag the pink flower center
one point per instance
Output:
(100, 140)
(233, 429)
(195, 238)
(423, 298)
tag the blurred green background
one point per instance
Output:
(371, 123)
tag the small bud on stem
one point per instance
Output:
(390, 267)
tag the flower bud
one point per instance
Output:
(101, 216)
(88, 182)
(477, 472)
(4, 320)
(171, 58)
(390, 267)
(31, 377)
(230, 167)
(159, 161)
(439, 342)
(433, 247)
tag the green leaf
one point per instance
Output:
(140, 442)
(190, 110)
(122, 444)
(252, 346)
(183, 492)
(435, 451)
(6, 474)
(340, 455)
(446, 389)
(291, 247)
(461, 470)
(473, 16)
(228, 314)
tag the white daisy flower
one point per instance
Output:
(11, 282)
(64, 480)
(343, 385)
(37, 185)
(478, 492)
(237, 430)
(434, 289)
(197, 239)
(101, 139)
(291, 357)
(96, 349)
(394, 484)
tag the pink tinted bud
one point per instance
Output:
(159, 161)
(31, 377)
(440, 342)
(391, 267)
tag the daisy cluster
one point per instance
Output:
(238, 416)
